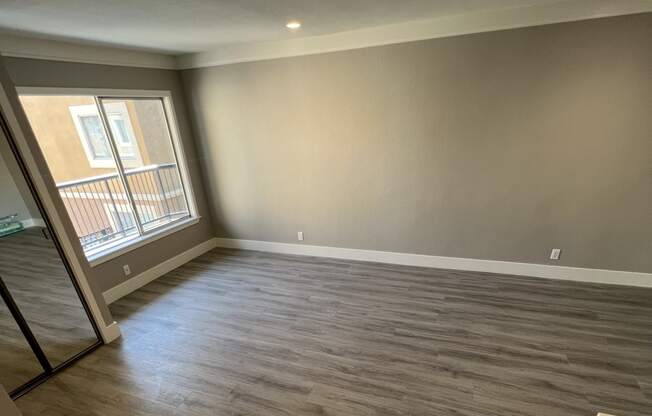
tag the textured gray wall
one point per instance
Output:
(42, 73)
(498, 145)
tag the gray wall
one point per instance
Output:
(41, 73)
(498, 145)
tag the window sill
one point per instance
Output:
(134, 243)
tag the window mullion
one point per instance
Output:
(118, 162)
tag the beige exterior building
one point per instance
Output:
(55, 124)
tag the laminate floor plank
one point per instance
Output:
(251, 333)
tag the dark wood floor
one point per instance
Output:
(247, 333)
(33, 272)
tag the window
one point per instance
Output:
(94, 139)
(117, 164)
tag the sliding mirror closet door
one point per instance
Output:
(14, 349)
(18, 363)
(42, 314)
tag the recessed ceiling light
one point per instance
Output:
(293, 24)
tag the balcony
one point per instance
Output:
(102, 214)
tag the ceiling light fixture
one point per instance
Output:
(293, 24)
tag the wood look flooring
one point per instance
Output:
(33, 272)
(250, 333)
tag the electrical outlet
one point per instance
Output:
(555, 253)
(126, 269)
(300, 235)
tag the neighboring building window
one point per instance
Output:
(93, 135)
(94, 139)
(118, 166)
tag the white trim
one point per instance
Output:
(473, 22)
(101, 92)
(35, 48)
(455, 263)
(64, 238)
(33, 222)
(131, 243)
(136, 282)
(112, 332)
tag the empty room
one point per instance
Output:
(309, 207)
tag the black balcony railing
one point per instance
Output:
(101, 212)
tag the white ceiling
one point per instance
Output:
(185, 26)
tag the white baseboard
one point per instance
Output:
(157, 271)
(110, 332)
(455, 263)
(33, 222)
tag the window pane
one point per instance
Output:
(71, 136)
(95, 137)
(122, 216)
(123, 130)
(154, 181)
(120, 130)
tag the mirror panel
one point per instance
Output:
(40, 285)
(37, 280)
(18, 364)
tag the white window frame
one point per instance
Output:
(112, 109)
(177, 146)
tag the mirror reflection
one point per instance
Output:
(15, 349)
(36, 279)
